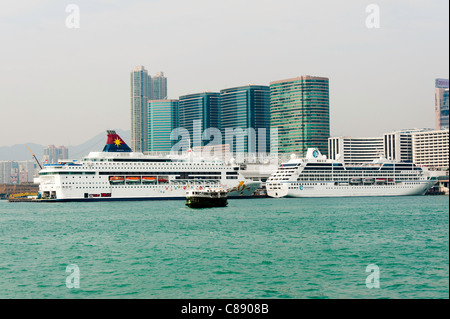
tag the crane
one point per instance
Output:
(34, 157)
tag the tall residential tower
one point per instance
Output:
(159, 86)
(140, 94)
(144, 88)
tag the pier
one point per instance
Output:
(6, 190)
(25, 199)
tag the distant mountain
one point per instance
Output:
(19, 152)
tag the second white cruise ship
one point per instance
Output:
(316, 176)
(117, 173)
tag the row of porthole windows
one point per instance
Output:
(309, 184)
(98, 187)
(156, 164)
(70, 183)
(365, 187)
(362, 187)
(141, 167)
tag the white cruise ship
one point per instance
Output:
(316, 176)
(117, 173)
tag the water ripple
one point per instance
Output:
(262, 248)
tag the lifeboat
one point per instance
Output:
(148, 179)
(162, 180)
(380, 180)
(133, 179)
(116, 179)
(369, 180)
(355, 181)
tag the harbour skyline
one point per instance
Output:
(382, 79)
(353, 93)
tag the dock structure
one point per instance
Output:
(6, 190)
(260, 173)
(24, 199)
(441, 186)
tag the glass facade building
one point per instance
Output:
(198, 112)
(442, 104)
(300, 111)
(245, 111)
(162, 119)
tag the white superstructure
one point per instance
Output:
(317, 176)
(117, 173)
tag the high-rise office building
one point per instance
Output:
(355, 150)
(158, 87)
(162, 119)
(431, 149)
(398, 144)
(442, 104)
(198, 112)
(300, 111)
(245, 118)
(140, 94)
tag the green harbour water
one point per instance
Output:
(255, 248)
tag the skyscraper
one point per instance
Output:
(246, 110)
(140, 94)
(442, 104)
(159, 86)
(198, 112)
(300, 110)
(162, 119)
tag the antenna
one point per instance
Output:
(34, 157)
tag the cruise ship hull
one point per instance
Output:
(116, 193)
(117, 174)
(317, 176)
(324, 189)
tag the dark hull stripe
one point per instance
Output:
(127, 199)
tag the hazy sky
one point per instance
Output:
(63, 86)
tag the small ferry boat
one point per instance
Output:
(206, 198)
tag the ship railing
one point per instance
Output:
(239, 158)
